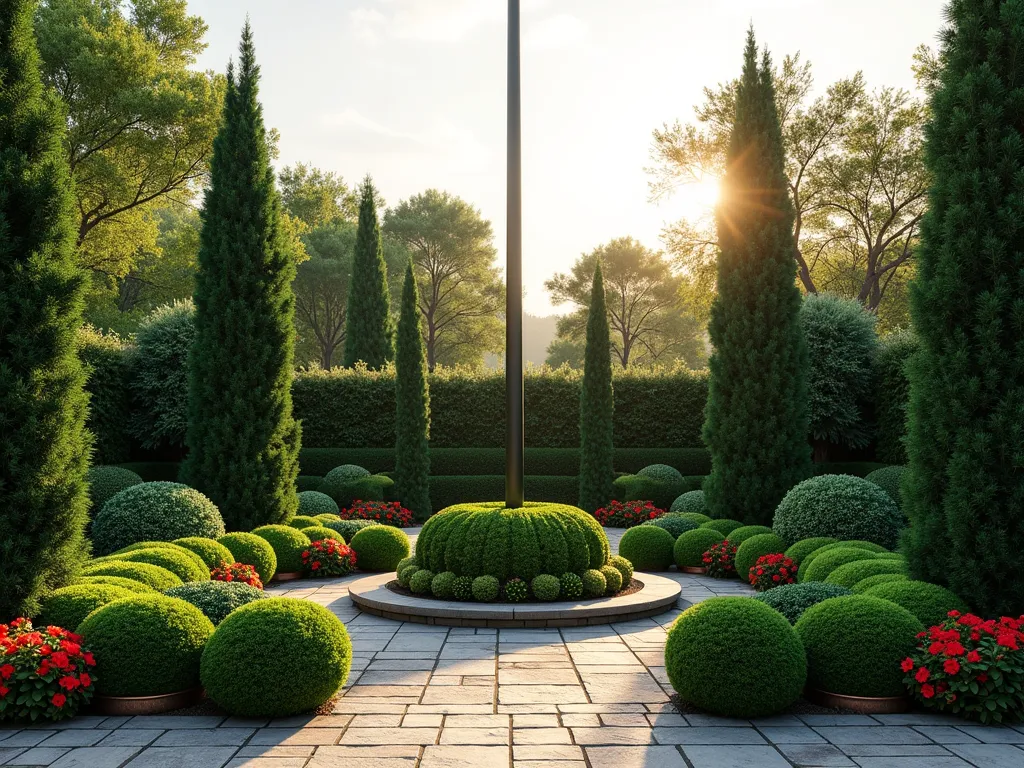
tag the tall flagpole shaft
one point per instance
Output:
(514, 469)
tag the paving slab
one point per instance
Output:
(635, 757)
(990, 755)
(734, 757)
(182, 757)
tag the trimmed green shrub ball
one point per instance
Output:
(303, 521)
(288, 544)
(404, 562)
(889, 556)
(421, 581)
(822, 565)
(106, 482)
(546, 587)
(348, 482)
(724, 526)
(349, 528)
(154, 512)
(889, 480)
(870, 546)
(855, 645)
(806, 563)
(594, 584)
(739, 535)
(216, 599)
(840, 506)
(136, 587)
(315, 503)
(380, 547)
(152, 576)
(930, 603)
(213, 553)
(275, 658)
(319, 533)
(516, 590)
(674, 524)
(346, 473)
(169, 545)
(791, 600)
(624, 567)
(252, 550)
(405, 574)
(883, 578)
(187, 568)
(662, 473)
(648, 548)
(462, 588)
(328, 517)
(689, 548)
(612, 579)
(146, 645)
(804, 547)
(735, 657)
(443, 585)
(68, 606)
(691, 503)
(750, 550)
(570, 586)
(485, 589)
(853, 573)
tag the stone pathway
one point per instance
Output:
(435, 697)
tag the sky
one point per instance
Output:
(413, 92)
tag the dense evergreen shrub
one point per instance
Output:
(644, 488)
(571, 586)
(216, 599)
(612, 579)
(818, 551)
(647, 548)
(662, 473)
(930, 603)
(892, 395)
(754, 547)
(151, 575)
(724, 526)
(791, 600)
(212, 552)
(108, 360)
(369, 335)
(800, 551)
(443, 585)
(381, 547)
(307, 482)
(349, 528)
(691, 502)
(594, 583)
(313, 503)
(851, 574)
(412, 405)
(288, 544)
(739, 535)
(462, 588)
(597, 406)
(823, 564)
(68, 606)
(320, 532)
(303, 521)
(252, 550)
(689, 548)
(623, 566)
(421, 581)
(369, 488)
(107, 482)
(485, 589)
(135, 587)
(546, 587)
(674, 524)
(882, 578)
(889, 480)
(187, 568)
(516, 590)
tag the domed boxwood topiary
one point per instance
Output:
(216, 599)
(889, 480)
(840, 506)
(443, 584)
(662, 473)
(275, 658)
(462, 588)
(328, 517)
(853, 573)
(624, 567)
(405, 574)
(320, 532)
(804, 547)
(485, 589)
(316, 503)
(106, 482)
(822, 565)
(855, 645)
(146, 645)
(185, 551)
(133, 586)
(612, 579)
(154, 511)
(152, 576)
(187, 568)
(546, 587)
(691, 503)
(870, 548)
(724, 526)
(689, 548)
(381, 548)
(212, 552)
(750, 550)
(252, 550)
(735, 657)
(570, 586)
(791, 600)
(349, 528)
(739, 535)
(346, 473)
(349, 482)
(594, 584)
(68, 606)
(674, 524)
(404, 562)
(420, 581)
(287, 543)
(883, 578)
(930, 603)
(648, 548)
(516, 590)
(303, 521)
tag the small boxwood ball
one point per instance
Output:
(136, 587)
(315, 503)
(612, 579)
(405, 574)
(485, 589)
(853, 573)
(275, 658)
(346, 473)
(739, 535)
(106, 482)
(889, 480)
(810, 557)
(327, 517)
(516, 590)
(624, 567)
(146, 645)
(689, 548)
(349, 528)
(823, 565)
(546, 587)
(320, 533)
(791, 600)
(735, 657)
(594, 584)
(216, 599)
(188, 567)
(462, 589)
(443, 584)
(404, 562)
(420, 581)
(692, 504)
(674, 524)
(648, 548)
(571, 586)
(213, 553)
(930, 603)
(855, 645)
(68, 606)
(750, 550)
(883, 578)
(252, 550)
(804, 547)
(380, 547)
(152, 576)
(889, 556)
(288, 544)
(870, 546)
(662, 473)
(303, 521)
(724, 526)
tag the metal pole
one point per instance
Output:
(514, 494)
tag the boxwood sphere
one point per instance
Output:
(724, 526)
(216, 599)
(853, 573)
(594, 583)
(276, 657)
(404, 562)
(327, 517)
(612, 579)
(315, 503)
(883, 578)
(421, 581)
(791, 600)
(855, 645)
(750, 550)
(68, 606)
(662, 472)
(336, 483)
(154, 511)
(691, 503)
(152, 576)
(823, 565)
(571, 586)
(252, 550)
(188, 567)
(485, 589)
(735, 657)
(106, 482)
(442, 585)
(349, 528)
(546, 587)
(739, 535)
(648, 548)
(690, 547)
(146, 645)
(810, 557)
(840, 506)
(462, 588)
(287, 543)
(320, 532)
(380, 547)
(406, 573)
(213, 553)
(930, 603)
(805, 547)
(889, 480)
(674, 524)
(156, 545)
(136, 587)
(624, 567)
(303, 521)
(516, 590)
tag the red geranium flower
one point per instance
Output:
(927, 691)
(951, 666)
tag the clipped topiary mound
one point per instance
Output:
(809, 558)
(739, 535)
(252, 550)
(930, 603)
(546, 587)
(840, 506)
(421, 581)
(211, 551)
(690, 547)
(889, 480)
(303, 521)
(146, 645)
(883, 578)
(691, 503)
(623, 566)
(287, 543)
(216, 599)
(791, 600)
(188, 567)
(485, 589)
(823, 565)
(663, 473)
(349, 528)
(853, 573)
(349, 482)
(855, 645)
(152, 576)
(68, 606)
(381, 548)
(674, 524)
(571, 586)
(443, 585)
(320, 532)
(346, 473)
(594, 583)
(755, 547)
(724, 526)
(133, 586)
(406, 572)
(276, 657)
(612, 579)
(154, 512)
(184, 551)
(327, 517)
(805, 547)
(106, 482)
(648, 548)
(315, 503)
(735, 657)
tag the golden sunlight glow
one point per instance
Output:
(698, 199)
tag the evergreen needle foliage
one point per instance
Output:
(412, 405)
(368, 335)
(597, 405)
(965, 491)
(757, 418)
(44, 446)
(243, 441)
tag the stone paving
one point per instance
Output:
(433, 697)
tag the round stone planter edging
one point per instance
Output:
(865, 705)
(278, 578)
(145, 705)
(372, 596)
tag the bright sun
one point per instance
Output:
(699, 199)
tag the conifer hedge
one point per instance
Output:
(368, 333)
(412, 406)
(597, 407)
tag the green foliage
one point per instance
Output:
(791, 600)
(516, 590)
(855, 645)
(889, 480)
(349, 483)
(320, 532)
(152, 576)
(594, 583)
(406, 572)
(739, 535)
(287, 543)
(68, 606)
(648, 548)
(662, 472)
(485, 589)
(177, 562)
(421, 581)
(690, 547)
(252, 550)
(412, 406)
(801, 549)
(624, 567)
(930, 603)
(304, 521)
(819, 568)
(882, 578)
(673, 524)
(107, 482)
(570, 586)
(612, 579)
(754, 547)
(313, 503)
(135, 587)
(305, 483)
(327, 517)
(216, 599)
(690, 503)
(546, 587)
(107, 359)
(443, 584)
(723, 526)
(275, 658)
(146, 645)
(369, 335)
(733, 657)
(597, 406)
(349, 528)
(851, 574)
(645, 488)
(820, 550)
(462, 588)
(380, 547)
(892, 395)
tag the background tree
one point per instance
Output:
(597, 406)
(757, 421)
(316, 197)
(42, 400)
(243, 441)
(412, 405)
(369, 334)
(566, 352)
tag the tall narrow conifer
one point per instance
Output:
(412, 405)
(368, 334)
(597, 406)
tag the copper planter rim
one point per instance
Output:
(865, 705)
(286, 576)
(694, 569)
(146, 705)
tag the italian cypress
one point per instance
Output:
(44, 446)
(368, 330)
(757, 420)
(597, 405)
(412, 405)
(243, 442)
(964, 493)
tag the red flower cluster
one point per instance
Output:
(772, 571)
(720, 560)
(384, 512)
(329, 557)
(49, 662)
(626, 514)
(970, 667)
(247, 574)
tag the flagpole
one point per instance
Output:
(514, 469)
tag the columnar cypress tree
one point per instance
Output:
(597, 405)
(412, 405)
(243, 442)
(965, 490)
(44, 446)
(368, 330)
(756, 420)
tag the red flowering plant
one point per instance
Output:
(44, 673)
(720, 560)
(384, 512)
(626, 514)
(246, 574)
(328, 557)
(772, 571)
(970, 667)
